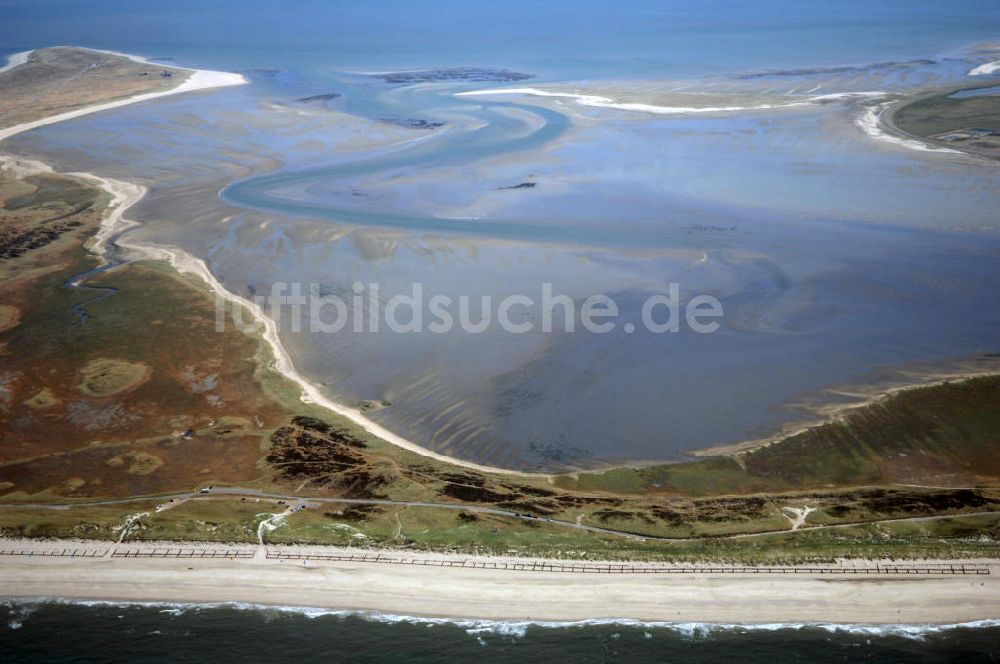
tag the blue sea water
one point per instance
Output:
(109, 632)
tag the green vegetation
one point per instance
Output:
(941, 435)
(970, 123)
(100, 522)
(430, 529)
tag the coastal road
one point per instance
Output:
(245, 492)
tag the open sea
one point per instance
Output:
(839, 258)
(109, 632)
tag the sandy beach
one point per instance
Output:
(434, 585)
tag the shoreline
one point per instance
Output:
(833, 412)
(125, 194)
(885, 120)
(200, 79)
(598, 101)
(437, 586)
(985, 69)
(874, 120)
(16, 59)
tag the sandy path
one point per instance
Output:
(798, 515)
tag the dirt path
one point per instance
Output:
(798, 523)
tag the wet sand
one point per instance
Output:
(126, 194)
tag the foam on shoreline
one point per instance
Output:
(514, 628)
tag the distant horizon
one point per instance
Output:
(555, 39)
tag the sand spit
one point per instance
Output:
(125, 194)
(983, 70)
(598, 101)
(869, 121)
(199, 79)
(861, 396)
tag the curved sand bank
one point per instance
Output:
(200, 79)
(443, 586)
(598, 101)
(984, 69)
(869, 121)
(126, 194)
(185, 263)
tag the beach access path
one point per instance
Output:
(171, 499)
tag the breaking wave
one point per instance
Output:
(21, 610)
